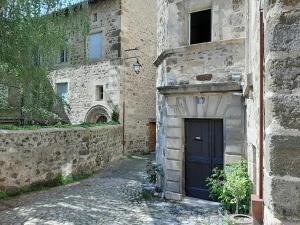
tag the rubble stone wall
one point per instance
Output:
(228, 20)
(139, 31)
(217, 60)
(29, 157)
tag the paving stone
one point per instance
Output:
(112, 197)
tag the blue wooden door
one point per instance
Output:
(204, 151)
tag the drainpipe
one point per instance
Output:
(257, 202)
(124, 104)
(261, 104)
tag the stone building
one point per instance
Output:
(281, 126)
(97, 75)
(208, 98)
(199, 85)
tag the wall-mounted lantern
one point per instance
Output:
(137, 67)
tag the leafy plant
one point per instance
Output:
(153, 171)
(115, 114)
(33, 34)
(232, 187)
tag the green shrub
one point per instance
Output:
(153, 171)
(232, 187)
(115, 116)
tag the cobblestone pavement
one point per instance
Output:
(111, 197)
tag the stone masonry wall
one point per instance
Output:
(228, 20)
(251, 90)
(282, 112)
(139, 30)
(219, 59)
(82, 82)
(27, 157)
(82, 76)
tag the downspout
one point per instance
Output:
(261, 103)
(257, 202)
(123, 71)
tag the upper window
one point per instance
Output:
(64, 56)
(95, 17)
(200, 27)
(62, 91)
(95, 46)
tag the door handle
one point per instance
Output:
(198, 139)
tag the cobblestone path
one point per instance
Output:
(111, 197)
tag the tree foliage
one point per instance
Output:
(32, 36)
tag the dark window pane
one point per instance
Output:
(200, 27)
(99, 92)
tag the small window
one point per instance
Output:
(99, 92)
(62, 91)
(64, 56)
(38, 58)
(95, 46)
(200, 27)
(95, 17)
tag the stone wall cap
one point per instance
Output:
(54, 129)
(200, 88)
(198, 47)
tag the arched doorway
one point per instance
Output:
(97, 114)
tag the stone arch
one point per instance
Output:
(97, 114)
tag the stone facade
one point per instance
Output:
(281, 144)
(282, 97)
(122, 23)
(28, 157)
(207, 71)
(187, 73)
(82, 77)
(139, 30)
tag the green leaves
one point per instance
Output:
(32, 35)
(153, 171)
(232, 187)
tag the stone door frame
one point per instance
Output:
(181, 103)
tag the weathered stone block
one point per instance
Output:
(174, 143)
(174, 132)
(236, 149)
(174, 154)
(171, 110)
(173, 186)
(174, 122)
(172, 175)
(283, 196)
(232, 158)
(173, 196)
(173, 165)
(284, 155)
(234, 136)
(286, 109)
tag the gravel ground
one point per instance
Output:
(112, 197)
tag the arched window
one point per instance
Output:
(97, 114)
